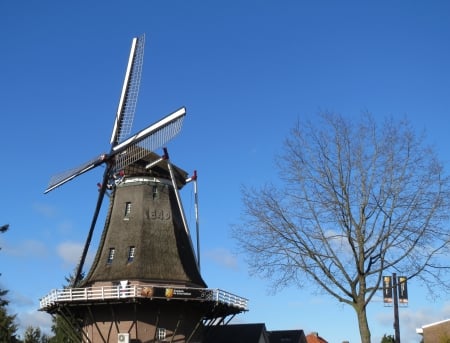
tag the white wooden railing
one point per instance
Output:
(141, 291)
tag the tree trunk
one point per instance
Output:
(364, 330)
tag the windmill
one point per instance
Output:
(144, 283)
(124, 150)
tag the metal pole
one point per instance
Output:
(197, 225)
(193, 178)
(396, 321)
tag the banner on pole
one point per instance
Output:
(387, 289)
(402, 290)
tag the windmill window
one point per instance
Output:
(112, 252)
(127, 209)
(155, 192)
(131, 253)
(160, 334)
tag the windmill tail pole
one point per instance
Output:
(193, 178)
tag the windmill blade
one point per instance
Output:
(101, 195)
(62, 178)
(130, 90)
(149, 139)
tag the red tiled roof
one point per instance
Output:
(315, 338)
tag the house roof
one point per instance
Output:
(315, 338)
(442, 322)
(252, 333)
(435, 323)
(287, 336)
(237, 333)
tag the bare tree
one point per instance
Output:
(353, 200)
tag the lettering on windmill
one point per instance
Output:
(159, 215)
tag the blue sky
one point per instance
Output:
(246, 71)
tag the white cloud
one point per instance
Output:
(36, 319)
(65, 227)
(44, 209)
(223, 257)
(27, 248)
(410, 320)
(20, 300)
(70, 252)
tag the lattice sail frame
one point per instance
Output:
(150, 139)
(130, 91)
(129, 151)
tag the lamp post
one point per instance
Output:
(395, 291)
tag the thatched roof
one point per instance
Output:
(153, 227)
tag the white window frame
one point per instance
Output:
(161, 334)
(127, 209)
(111, 254)
(131, 253)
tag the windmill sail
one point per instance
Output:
(124, 117)
(149, 139)
(66, 176)
(130, 91)
(129, 151)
